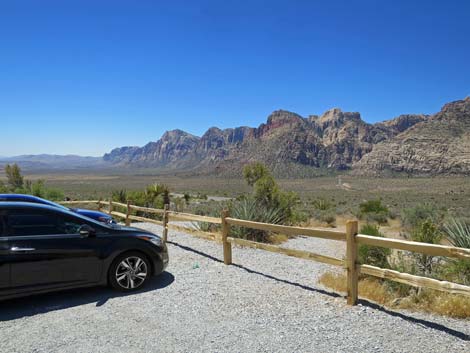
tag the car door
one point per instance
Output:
(4, 265)
(46, 250)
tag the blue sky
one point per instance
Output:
(84, 77)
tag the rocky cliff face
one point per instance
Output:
(335, 140)
(439, 144)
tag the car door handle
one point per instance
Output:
(17, 249)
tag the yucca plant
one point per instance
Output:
(119, 196)
(322, 204)
(250, 210)
(458, 232)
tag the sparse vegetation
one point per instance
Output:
(267, 203)
(373, 255)
(16, 183)
(374, 211)
(379, 291)
(458, 234)
(412, 217)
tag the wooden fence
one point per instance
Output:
(351, 237)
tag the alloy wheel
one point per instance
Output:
(131, 272)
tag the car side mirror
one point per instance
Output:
(86, 231)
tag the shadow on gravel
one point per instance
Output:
(249, 270)
(43, 303)
(428, 324)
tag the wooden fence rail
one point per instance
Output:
(351, 237)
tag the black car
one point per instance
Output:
(96, 215)
(44, 248)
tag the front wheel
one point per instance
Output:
(129, 271)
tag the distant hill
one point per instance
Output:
(49, 161)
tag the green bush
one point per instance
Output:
(14, 177)
(426, 232)
(267, 195)
(373, 206)
(373, 217)
(119, 196)
(254, 171)
(325, 216)
(322, 205)
(372, 255)
(458, 234)
(373, 211)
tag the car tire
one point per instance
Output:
(129, 271)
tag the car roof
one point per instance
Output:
(6, 205)
(23, 196)
(35, 205)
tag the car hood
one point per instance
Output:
(132, 229)
(91, 213)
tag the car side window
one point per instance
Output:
(2, 226)
(33, 222)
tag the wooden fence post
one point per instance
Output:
(351, 261)
(128, 213)
(225, 233)
(110, 206)
(165, 223)
(99, 204)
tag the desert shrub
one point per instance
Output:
(322, 204)
(201, 196)
(254, 172)
(119, 196)
(373, 255)
(426, 232)
(14, 177)
(54, 194)
(325, 216)
(458, 234)
(413, 217)
(37, 188)
(373, 211)
(378, 290)
(373, 206)
(404, 264)
(211, 209)
(457, 270)
(3, 188)
(187, 197)
(249, 209)
(267, 195)
(373, 217)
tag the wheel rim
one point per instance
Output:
(131, 272)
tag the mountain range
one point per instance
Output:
(293, 146)
(335, 141)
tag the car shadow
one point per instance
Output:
(404, 316)
(38, 304)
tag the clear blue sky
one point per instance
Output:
(83, 77)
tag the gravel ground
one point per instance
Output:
(265, 303)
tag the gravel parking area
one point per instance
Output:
(264, 303)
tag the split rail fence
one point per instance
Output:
(350, 236)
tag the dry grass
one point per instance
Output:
(427, 300)
(277, 239)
